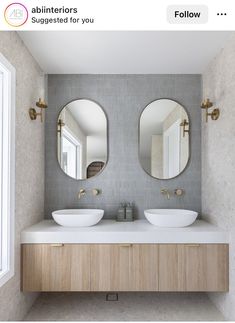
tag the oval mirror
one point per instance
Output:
(164, 139)
(82, 139)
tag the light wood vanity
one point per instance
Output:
(123, 266)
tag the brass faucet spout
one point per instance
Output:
(81, 193)
(166, 192)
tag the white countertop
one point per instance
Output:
(110, 231)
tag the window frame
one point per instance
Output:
(7, 211)
(66, 132)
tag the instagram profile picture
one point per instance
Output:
(16, 14)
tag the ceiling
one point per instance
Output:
(92, 121)
(157, 110)
(89, 116)
(124, 52)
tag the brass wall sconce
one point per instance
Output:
(60, 124)
(33, 114)
(185, 124)
(207, 104)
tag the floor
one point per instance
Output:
(129, 307)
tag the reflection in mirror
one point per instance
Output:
(164, 139)
(82, 139)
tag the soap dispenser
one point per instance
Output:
(129, 212)
(121, 214)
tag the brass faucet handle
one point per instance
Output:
(96, 191)
(179, 192)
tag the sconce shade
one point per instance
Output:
(41, 104)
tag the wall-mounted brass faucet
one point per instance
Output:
(177, 192)
(81, 192)
(207, 104)
(94, 191)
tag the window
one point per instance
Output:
(71, 154)
(7, 169)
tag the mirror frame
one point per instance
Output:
(189, 155)
(107, 133)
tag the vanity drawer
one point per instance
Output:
(193, 267)
(55, 267)
(124, 267)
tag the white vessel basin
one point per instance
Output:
(171, 218)
(78, 217)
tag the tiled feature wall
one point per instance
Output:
(123, 97)
(29, 165)
(218, 160)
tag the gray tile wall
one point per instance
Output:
(122, 97)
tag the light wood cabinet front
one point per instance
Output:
(55, 267)
(144, 274)
(186, 267)
(110, 265)
(124, 267)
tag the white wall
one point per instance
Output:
(179, 113)
(96, 148)
(30, 85)
(218, 160)
(157, 156)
